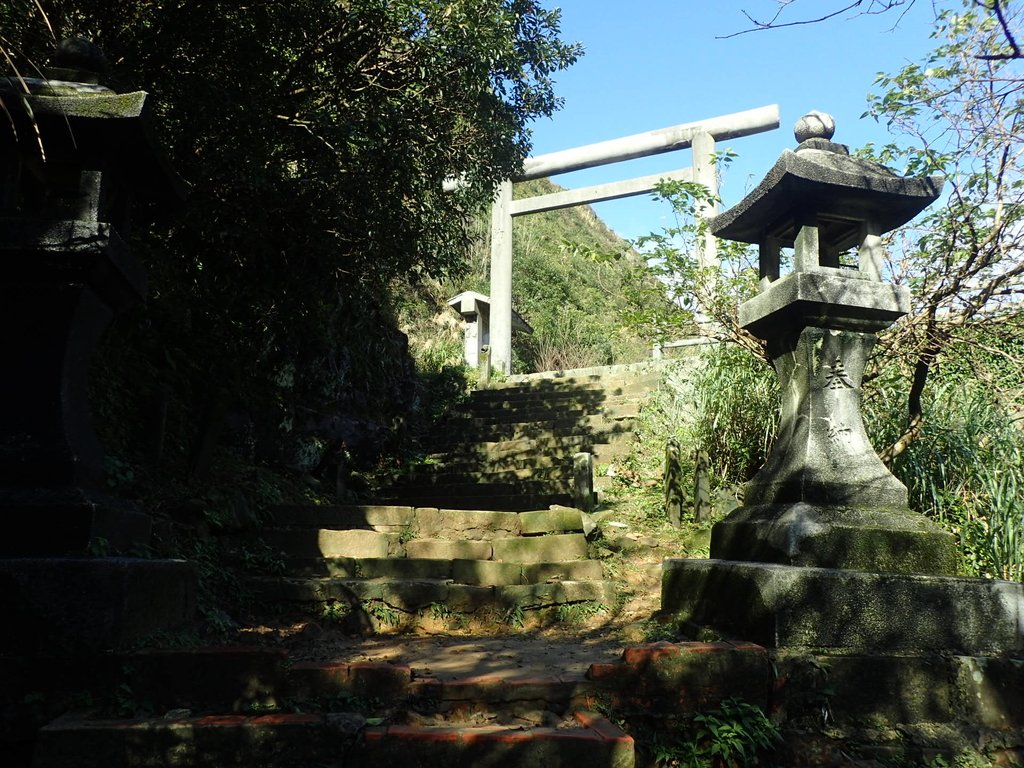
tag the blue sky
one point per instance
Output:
(654, 63)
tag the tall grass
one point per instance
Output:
(966, 470)
(724, 402)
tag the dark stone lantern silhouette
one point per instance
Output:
(76, 156)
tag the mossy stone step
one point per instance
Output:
(462, 571)
(486, 500)
(462, 417)
(593, 426)
(483, 456)
(414, 595)
(379, 517)
(477, 487)
(440, 474)
(407, 521)
(327, 542)
(506, 413)
(533, 549)
(513, 469)
(526, 446)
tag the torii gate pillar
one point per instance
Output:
(501, 279)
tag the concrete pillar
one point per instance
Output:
(501, 279)
(583, 481)
(871, 251)
(673, 482)
(484, 379)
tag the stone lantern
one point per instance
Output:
(78, 154)
(823, 496)
(825, 551)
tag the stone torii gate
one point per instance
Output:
(700, 136)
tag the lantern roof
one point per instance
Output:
(820, 178)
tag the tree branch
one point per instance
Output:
(774, 23)
(997, 9)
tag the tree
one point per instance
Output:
(960, 114)
(315, 136)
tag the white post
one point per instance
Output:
(501, 279)
(704, 172)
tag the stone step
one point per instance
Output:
(459, 487)
(525, 446)
(602, 383)
(327, 542)
(462, 571)
(465, 460)
(441, 474)
(385, 604)
(483, 429)
(222, 740)
(532, 549)
(599, 375)
(590, 397)
(301, 740)
(596, 741)
(538, 544)
(679, 678)
(408, 521)
(422, 522)
(398, 684)
(460, 463)
(504, 412)
(486, 500)
(583, 392)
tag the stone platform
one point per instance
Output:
(799, 607)
(859, 538)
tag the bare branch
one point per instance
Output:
(874, 7)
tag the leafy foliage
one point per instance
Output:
(675, 294)
(723, 401)
(736, 735)
(965, 470)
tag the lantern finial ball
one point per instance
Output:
(815, 125)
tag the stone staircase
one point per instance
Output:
(511, 446)
(484, 534)
(386, 568)
(484, 530)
